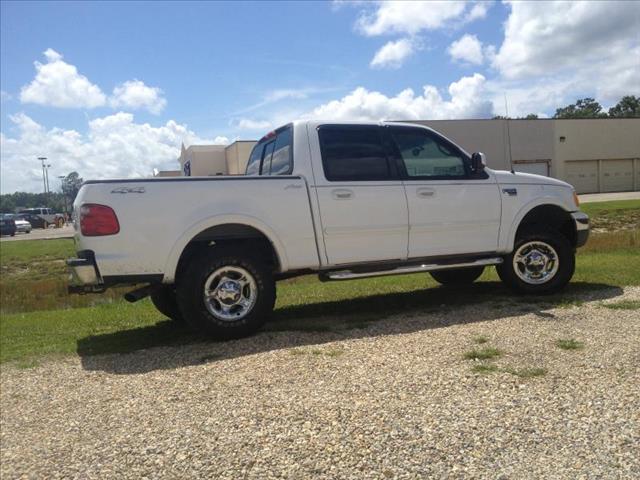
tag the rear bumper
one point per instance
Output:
(581, 221)
(84, 276)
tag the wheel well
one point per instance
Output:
(231, 234)
(550, 216)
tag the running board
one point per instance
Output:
(349, 275)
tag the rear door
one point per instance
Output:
(363, 208)
(451, 210)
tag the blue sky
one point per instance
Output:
(123, 84)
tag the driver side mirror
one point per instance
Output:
(478, 162)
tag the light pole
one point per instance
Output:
(46, 171)
(64, 195)
(44, 180)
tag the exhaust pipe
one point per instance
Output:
(139, 293)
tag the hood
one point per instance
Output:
(504, 177)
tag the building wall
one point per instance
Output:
(531, 140)
(237, 155)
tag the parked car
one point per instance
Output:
(345, 201)
(22, 224)
(42, 217)
(7, 225)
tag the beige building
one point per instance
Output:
(209, 160)
(594, 155)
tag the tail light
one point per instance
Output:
(98, 220)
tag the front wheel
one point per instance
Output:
(459, 276)
(226, 293)
(542, 262)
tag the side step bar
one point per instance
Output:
(349, 275)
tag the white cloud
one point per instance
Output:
(250, 124)
(4, 96)
(59, 84)
(467, 100)
(114, 146)
(478, 11)
(393, 54)
(408, 17)
(220, 140)
(546, 37)
(467, 49)
(556, 52)
(135, 94)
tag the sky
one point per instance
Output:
(112, 89)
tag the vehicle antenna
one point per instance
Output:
(506, 109)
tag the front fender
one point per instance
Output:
(508, 235)
(181, 243)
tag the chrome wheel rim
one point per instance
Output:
(230, 293)
(536, 262)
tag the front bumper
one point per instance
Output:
(84, 276)
(581, 221)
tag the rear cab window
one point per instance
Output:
(353, 153)
(273, 154)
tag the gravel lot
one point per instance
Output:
(394, 400)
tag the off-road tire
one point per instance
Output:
(457, 276)
(566, 258)
(164, 299)
(190, 293)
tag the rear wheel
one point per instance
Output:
(226, 293)
(458, 276)
(542, 262)
(164, 299)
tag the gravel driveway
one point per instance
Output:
(394, 400)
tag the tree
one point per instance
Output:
(531, 116)
(70, 186)
(627, 107)
(583, 108)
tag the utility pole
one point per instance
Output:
(44, 180)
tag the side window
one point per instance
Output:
(253, 164)
(425, 155)
(353, 153)
(281, 163)
(266, 160)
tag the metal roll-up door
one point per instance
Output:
(583, 175)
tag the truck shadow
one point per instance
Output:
(167, 345)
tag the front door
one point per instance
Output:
(363, 208)
(451, 210)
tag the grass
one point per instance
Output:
(615, 215)
(623, 305)
(482, 354)
(529, 372)
(484, 368)
(481, 339)
(37, 317)
(569, 344)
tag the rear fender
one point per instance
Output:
(176, 251)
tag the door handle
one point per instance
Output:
(425, 192)
(342, 194)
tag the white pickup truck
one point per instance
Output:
(343, 200)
